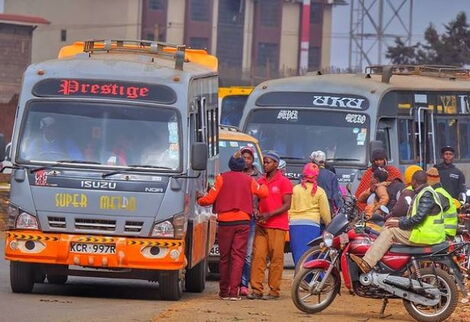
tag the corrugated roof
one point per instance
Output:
(22, 20)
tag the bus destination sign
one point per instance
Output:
(54, 87)
(307, 99)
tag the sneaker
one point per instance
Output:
(244, 291)
(271, 297)
(234, 298)
(362, 264)
(254, 296)
(224, 298)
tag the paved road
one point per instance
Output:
(81, 299)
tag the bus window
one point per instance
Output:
(405, 140)
(294, 134)
(232, 109)
(464, 144)
(447, 129)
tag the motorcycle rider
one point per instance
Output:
(448, 204)
(378, 159)
(424, 225)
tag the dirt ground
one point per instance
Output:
(209, 308)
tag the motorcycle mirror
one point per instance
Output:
(384, 209)
(408, 200)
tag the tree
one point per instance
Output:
(450, 48)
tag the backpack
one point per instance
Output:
(393, 190)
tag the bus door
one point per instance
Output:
(425, 152)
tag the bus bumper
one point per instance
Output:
(94, 251)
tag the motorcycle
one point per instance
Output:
(413, 274)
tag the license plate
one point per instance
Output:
(215, 251)
(93, 248)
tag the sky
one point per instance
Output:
(438, 12)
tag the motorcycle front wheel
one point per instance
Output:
(303, 292)
(449, 297)
(314, 252)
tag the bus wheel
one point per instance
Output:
(39, 277)
(196, 277)
(170, 286)
(57, 279)
(21, 277)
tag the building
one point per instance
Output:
(16, 33)
(72, 20)
(253, 39)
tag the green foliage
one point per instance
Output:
(452, 47)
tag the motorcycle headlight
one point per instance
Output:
(328, 239)
(26, 221)
(164, 229)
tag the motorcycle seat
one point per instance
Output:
(419, 250)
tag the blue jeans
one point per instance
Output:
(300, 236)
(249, 250)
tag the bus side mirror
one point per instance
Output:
(8, 152)
(2, 147)
(199, 152)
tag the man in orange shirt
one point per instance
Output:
(232, 196)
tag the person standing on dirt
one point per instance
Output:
(270, 234)
(327, 180)
(248, 154)
(232, 195)
(452, 179)
(309, 206)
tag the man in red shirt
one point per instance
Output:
(232, 196)
(272, 226)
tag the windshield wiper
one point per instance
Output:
(285, 157)
(59, 162)
(342, 159)
(134, 167)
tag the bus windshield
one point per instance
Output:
(295, 133)
(232, 109)
(111, 135)
(229, 147)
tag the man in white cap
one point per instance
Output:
(327, 180)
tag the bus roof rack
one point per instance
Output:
(172, 51)
(441, 71)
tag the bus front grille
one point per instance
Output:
(133, 226)
(56, 222)
(95, 224)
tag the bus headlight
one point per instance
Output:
(164, 229)
(26, 221)
(174, 228)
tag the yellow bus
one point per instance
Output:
(232, 102)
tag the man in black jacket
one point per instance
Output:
(452, 179)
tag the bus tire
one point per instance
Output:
(170, 286)
(196, 277)
(21, 277)
(57, 279)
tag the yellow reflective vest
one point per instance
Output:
(450, 216)
(431, 230)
